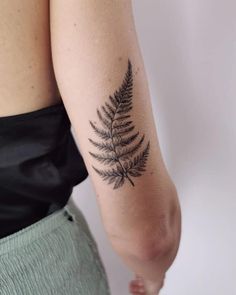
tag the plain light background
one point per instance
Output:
(189, 50)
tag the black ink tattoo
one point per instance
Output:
(116, 147)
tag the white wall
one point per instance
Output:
(189, 50)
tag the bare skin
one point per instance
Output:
(27, 79)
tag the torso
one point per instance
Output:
(27, 80)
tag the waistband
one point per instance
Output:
(59, 106)
(36, 230)
(33, 134)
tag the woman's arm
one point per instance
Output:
(102, 81)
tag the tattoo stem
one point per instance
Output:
(125, 173)
(129, 179)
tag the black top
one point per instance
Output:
(39, 165)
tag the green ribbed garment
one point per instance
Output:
(57, 255)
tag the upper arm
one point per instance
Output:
(101, 77)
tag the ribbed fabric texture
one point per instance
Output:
(56, 255)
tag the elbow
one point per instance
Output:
(152, 249)
(143, 248)
(159, 239)
(162, 240)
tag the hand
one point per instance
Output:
(139, 286)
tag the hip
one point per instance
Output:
(56, 255)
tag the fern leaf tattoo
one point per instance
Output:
(116, 134)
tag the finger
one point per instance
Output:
(136, 284)
(136, 289)
(138, 293)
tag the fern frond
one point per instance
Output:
(126, 103)
(118, 138)
(107, 147)
(119, 182)
(111, 110)
(124, 131)
(107, 113)
(122, 125)
(107, 159)
(130, 151)
(124, 110)
(100, 132)
(121, 141)
(122, 97)
(106, 174)
(121, 118)
(113, 101)
(112, 176)
(125, 90)
(105, 122)
(138, 164)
